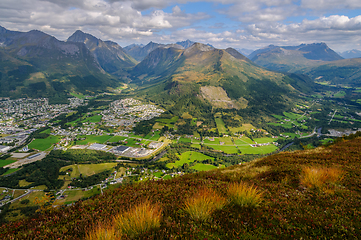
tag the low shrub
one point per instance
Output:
(320, 177)
(102, 233)
(244, 195)
(203, 204)
(142, 218)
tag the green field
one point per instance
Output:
(257, 150)
(243, 140)
(43, 144)
(130, 142)
(244, 127)
(226, 149)
(284, 125)
(189, 157)
(75, 195)
(158, 174)
(93, 119)
(155, 137)
(185, 140)
(289, 120)
(6, 162)
(203, 167)
(194, 122)
(226, 140)
(221, 126)
(77, 95)
(291, 115)
(87, 169)
(196, 146)
(168, 121)
(264, 140)
(167, 177)
(291, 135)
(207, 141)
(117, 139)
(340, 94)
(11, 171)
(93, 139)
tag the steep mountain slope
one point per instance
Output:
(174, 77)
(35, 64)
(344, 72)
(291, 207)
(292, 58)
(139, 52)
(110, 56)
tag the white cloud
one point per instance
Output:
(330, 4)
(338, 31)
(260, 22)
(114, 19)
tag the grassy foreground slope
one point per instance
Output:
(292, 208)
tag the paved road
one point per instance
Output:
(332, 117)
(284, 148)
(15, 199)
(310, 135)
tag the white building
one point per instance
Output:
(4, 149)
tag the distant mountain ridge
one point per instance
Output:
(110, 56)
(245, 51)
(292, 58)
(186, 44)
(139, 52)
(354, 53)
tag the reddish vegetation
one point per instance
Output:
(289, 208)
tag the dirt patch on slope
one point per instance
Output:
(218, 97)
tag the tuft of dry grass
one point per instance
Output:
(102, 232)
(203, 204)
(244, 195)
(319, 177)
(142, 218)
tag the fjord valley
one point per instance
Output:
(199, 140)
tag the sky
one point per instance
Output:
(249, 24)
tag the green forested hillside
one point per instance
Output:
(343, 72)
(200, 78)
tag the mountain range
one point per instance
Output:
(354, 53)
(293, 58)
(184, 79)
(139, 52)
(110, 56)
(35, 64)
(316, 60)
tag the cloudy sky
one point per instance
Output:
(250, 24)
